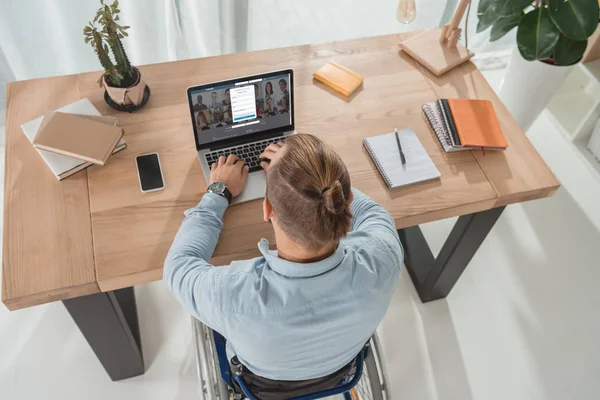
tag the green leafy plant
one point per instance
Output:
(104, 32)
(554, 31)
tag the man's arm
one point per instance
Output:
(193, 280)
(371, 218)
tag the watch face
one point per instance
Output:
(217, 187)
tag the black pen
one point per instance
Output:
(400, 148)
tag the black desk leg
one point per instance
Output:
(435, 277)
(109, 323)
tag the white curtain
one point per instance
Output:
(6, 75)
(41, 38)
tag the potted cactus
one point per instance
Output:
(125, 89)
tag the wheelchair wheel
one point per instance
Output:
(373, 383)
(207, 367)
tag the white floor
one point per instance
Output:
(522, 322)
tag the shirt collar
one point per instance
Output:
(300, 270)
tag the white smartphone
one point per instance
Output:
(149, 172)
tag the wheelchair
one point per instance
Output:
(368, 380)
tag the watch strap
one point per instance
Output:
(227, 195)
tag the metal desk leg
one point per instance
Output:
(109, 323)
(434, 278)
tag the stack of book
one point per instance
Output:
(74, 137)
(463, 124)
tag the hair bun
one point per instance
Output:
(333, 198)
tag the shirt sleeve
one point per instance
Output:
(373, 220)
(193, 280)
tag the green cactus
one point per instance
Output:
(95, 38)
(121, 57)
(105, 30)
(122, 62)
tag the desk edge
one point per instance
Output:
(35, 299)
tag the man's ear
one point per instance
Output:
(351, 197)
(267, 210)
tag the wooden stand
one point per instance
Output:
(438, 49)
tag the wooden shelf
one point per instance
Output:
(574, 112)
(575, 105)
(575, 108)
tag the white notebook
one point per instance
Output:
(384, 152)
(60, 165)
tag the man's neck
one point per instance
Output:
(291, 251)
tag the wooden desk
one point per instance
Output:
(95, 232)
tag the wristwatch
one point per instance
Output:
(220, 189)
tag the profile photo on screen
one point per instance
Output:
(199, 105)
(282, 92)
(214, 106)
(269, 94)
(270, 111)
(284, 106)
(227, 99)
(202, 119)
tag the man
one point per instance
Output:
(269, 110)
(214, 107)
(199, 106)
(305, 310)
(284, 93)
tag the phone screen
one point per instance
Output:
(150, 174)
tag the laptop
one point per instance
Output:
(242, 116)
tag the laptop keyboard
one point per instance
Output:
(247, 152)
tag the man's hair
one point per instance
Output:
(309, 190)
(199, 98)
(283, 81)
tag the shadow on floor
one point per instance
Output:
(157, 318)
(557, 308)
(421, 348)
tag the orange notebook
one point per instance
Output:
(339, 78)
(477, 124)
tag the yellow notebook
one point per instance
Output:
(339, 78)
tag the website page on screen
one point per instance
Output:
(241, 108)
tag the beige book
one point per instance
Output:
(79, 137)
(69, 168)
(100, 118)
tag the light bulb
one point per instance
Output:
(407, 11)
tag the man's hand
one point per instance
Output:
(232, 171)
(273, 153)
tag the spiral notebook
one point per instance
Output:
(384, 152)
(435, 118)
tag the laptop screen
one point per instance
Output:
(244, 106)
